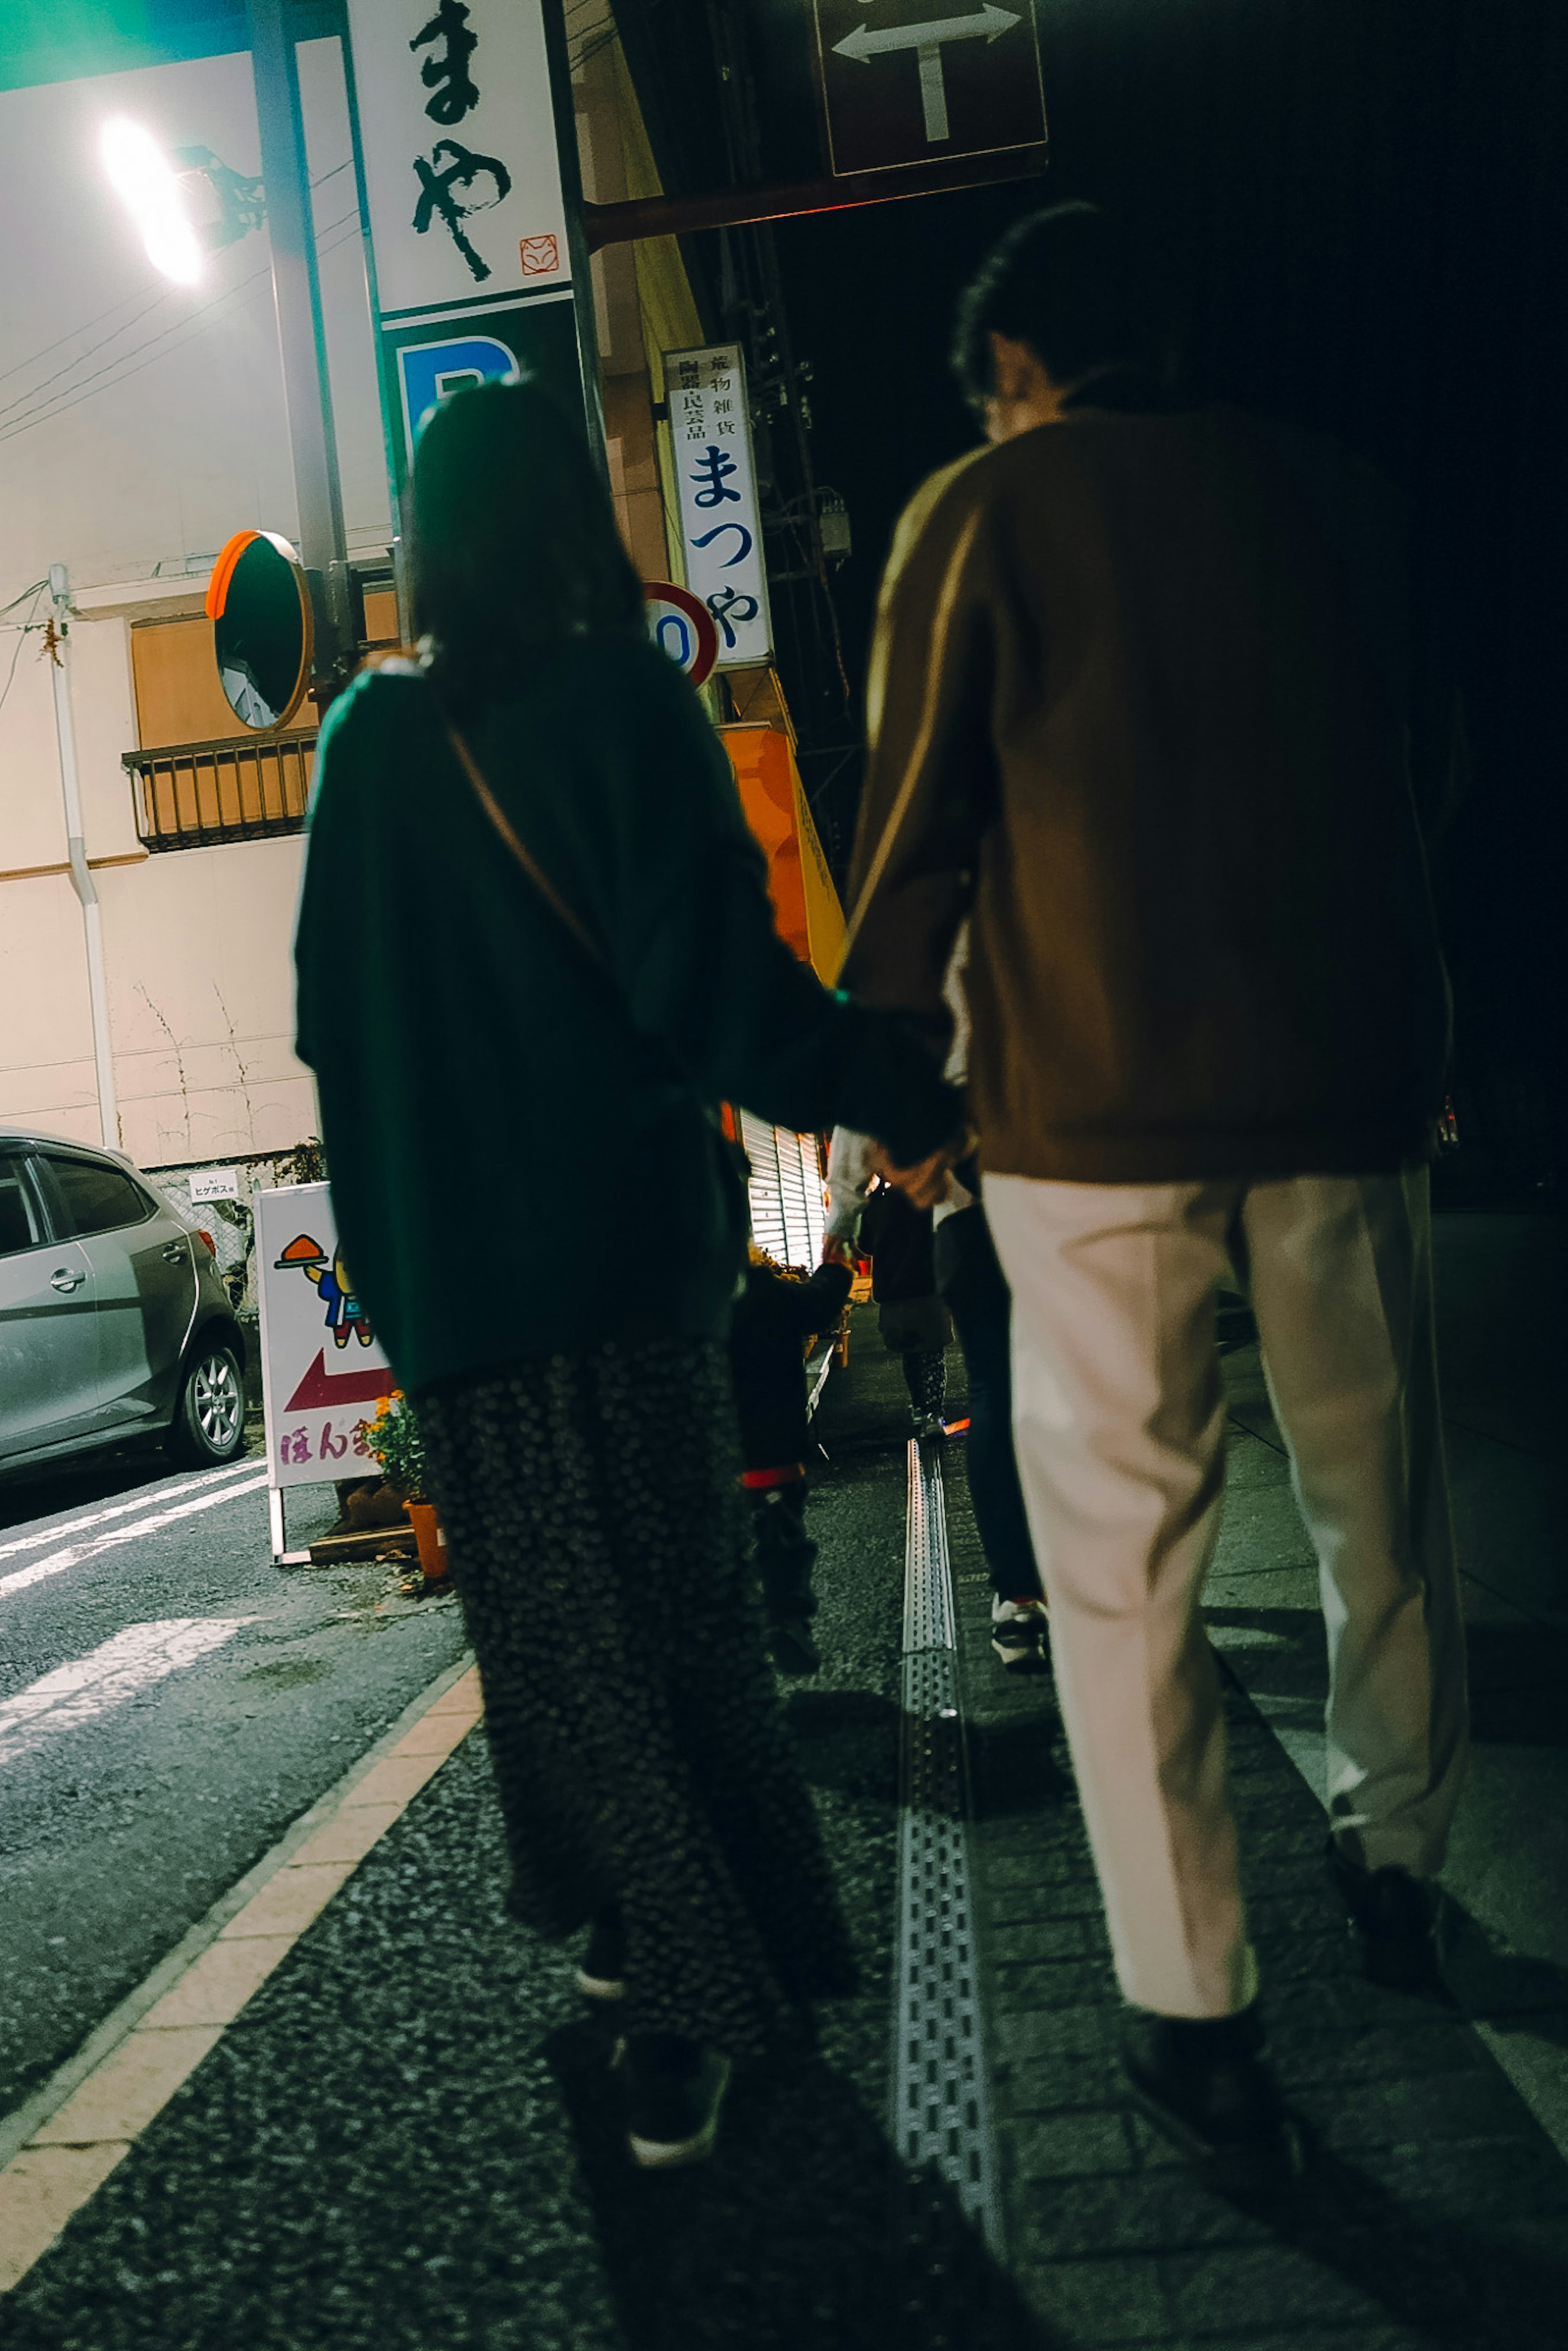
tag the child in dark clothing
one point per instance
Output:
(773, 1316)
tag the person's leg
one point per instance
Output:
(786, 1556)
(1342, 1287)
(970, 1280)
(1118, 1420)
(598, 1538)
(926, 1377)
(729, 1903)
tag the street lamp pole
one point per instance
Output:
(297, 290)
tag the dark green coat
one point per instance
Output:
(524, 1156)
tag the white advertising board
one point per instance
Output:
(457, 129)
(721, 531)
(322, 1371)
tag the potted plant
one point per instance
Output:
(393, 1436)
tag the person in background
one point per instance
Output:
(970, 1287)
(973, 1289)
(777, 1314)
(914, 1322)
(561, 933)
(1143, 708)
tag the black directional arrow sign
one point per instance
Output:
(906, 82)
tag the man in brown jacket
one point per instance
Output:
(1139, 708)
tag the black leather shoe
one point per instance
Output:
(1203, 2084)
(1395, 1917)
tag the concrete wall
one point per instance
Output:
(162, 432)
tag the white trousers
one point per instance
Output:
(1119, 1421)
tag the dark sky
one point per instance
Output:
(1360, 208)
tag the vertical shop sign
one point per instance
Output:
(710, 427)
(467, 209)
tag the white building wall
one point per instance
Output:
(140, 425)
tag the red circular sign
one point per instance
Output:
(682, 626)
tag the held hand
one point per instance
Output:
(837, 1252)
(924, 1185)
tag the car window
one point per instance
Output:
(18, 1223)
(99, 1199)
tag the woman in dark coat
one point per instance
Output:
(475, 1029)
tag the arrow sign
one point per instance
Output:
(321, 1387)
(927, 40)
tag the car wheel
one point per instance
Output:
(209, 1420)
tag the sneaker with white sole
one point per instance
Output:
(675, 2088)
(602, 1971)
(1021, 1635)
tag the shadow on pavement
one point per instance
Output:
(1458, 2287)
(803, 2234)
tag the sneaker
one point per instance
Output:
(602, 1972)
(793, 1649)
(1021, 1635)
(1202, 2082)
(674, 2091)
(1395, 1917)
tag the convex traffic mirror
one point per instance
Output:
(258, 601)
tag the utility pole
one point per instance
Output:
(307, 387)
(82, 882)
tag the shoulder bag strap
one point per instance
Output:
(530, 866)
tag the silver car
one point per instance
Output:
(113, 1323)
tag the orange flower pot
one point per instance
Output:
(432, 1541)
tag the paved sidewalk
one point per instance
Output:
(409, 2138)
(1438, 2215)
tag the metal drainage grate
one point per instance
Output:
(941, 2119)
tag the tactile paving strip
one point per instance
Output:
(941, 2119)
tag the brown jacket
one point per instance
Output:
(1138, 702)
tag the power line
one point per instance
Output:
(17, 365)
(124, 327)
(22, 634)
(160, 345)
(21, 598)
(126, 324)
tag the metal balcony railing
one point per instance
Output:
(190, 794)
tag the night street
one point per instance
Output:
(170, 1702)
(406, 2136)
(783, 1176)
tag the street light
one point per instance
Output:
(143, 178)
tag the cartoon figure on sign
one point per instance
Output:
(330, 1277)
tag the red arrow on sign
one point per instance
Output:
(321, 1387)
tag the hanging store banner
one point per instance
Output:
(904, 82)
(721, 531)
(457, 127)
(468, 226)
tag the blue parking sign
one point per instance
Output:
(428, 371)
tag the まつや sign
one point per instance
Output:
(721, 532)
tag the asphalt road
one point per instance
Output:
(170, 1702)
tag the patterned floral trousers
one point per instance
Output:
(599, 1544)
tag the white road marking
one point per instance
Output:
(158, 1493)
(90, 1686)
(73, 1555)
